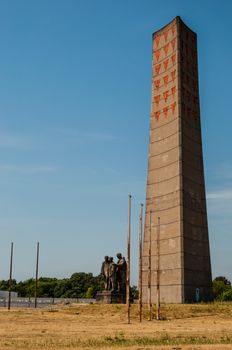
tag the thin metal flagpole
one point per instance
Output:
(158, 272)
(128, 260)
(10, 277)
(140, 261)
(36, 273)
(149, 272)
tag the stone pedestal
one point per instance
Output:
(108, 297)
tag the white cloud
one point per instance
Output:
(42, 139)
(11, 140)
(221, 194)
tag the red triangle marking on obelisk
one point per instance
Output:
(173, 43)
(165, 110)
(157, 114)
(173, 107)
(173, 59)
(173, 29)
(165, 63)
(165, 95)
(157, 54)
(173, 74)
(157, 68)
(173, 91)
(166, 49)
(157, 40)
(157, 99)
(157, 84)
(165, 79)
(166, 35)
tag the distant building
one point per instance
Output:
(5, 294)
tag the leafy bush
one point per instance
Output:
(220, 285)
(227, 296)
(90, 293)
(77, 286)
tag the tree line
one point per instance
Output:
(79, 285)
(85, 285)
(222, 289)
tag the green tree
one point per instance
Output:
(223, 279)
(46, 287)
(77, 286)
(227, 296)
(61, 288)
(26, 288)
(90, 293)
(4, 285)
(220, 285)
(134, 292)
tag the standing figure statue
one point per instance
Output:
(112, 274)
(121, 273)
(105, 272)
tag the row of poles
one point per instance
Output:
(10, 275)
(140, 301)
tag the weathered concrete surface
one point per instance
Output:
(175, 181)
(110, 297)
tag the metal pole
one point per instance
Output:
(10, 277)
(140, 261)
(149, 272)
(128, 260)
(36, 273)
(158, 272)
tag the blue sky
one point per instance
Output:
(75, 87)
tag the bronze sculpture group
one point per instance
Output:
(114, 274)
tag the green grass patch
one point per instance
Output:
(118, 340)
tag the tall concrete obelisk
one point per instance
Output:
(180, 257)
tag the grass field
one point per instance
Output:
(80, 326)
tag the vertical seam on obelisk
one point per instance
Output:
(180, 164)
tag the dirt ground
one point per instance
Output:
(81, 326)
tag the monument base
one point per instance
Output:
(108, 297)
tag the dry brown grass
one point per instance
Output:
(105, 327)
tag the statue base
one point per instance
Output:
(110, 297)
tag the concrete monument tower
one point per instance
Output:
(176, 229)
